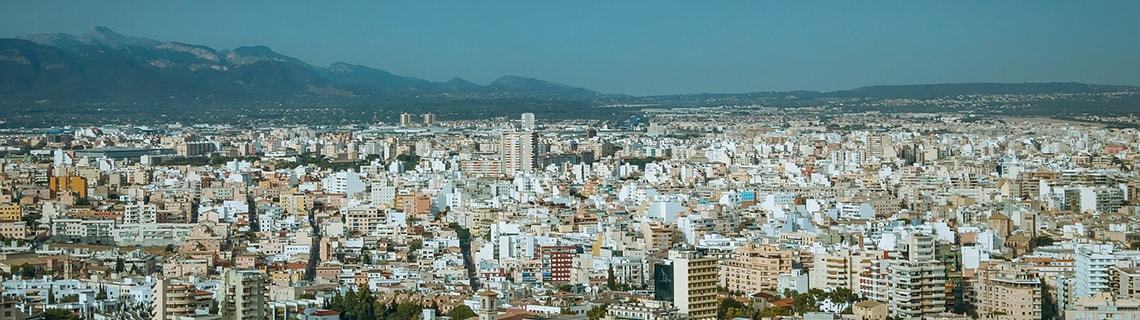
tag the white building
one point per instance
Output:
(343, 182)
(140, 213)
(1091, 264)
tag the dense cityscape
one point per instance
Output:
(706, 213)
(569, 160)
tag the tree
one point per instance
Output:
(461, 312)
(728, 306)
(733, 313)
(382, 311)
(413, 247)
(808, 301)
(460, 232)
(32, 219)
(789, 293)
(1048, 304)
(27, 271)
(409, 161)
(102, 295)
(1041, 241)
(361, 304)
(335, 303)
(406, 311)
(597, 312)
(611, 283)
(120, 266)
(59, 314)
(843, 295)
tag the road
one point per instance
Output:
(315, 249)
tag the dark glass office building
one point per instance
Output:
(662, 282)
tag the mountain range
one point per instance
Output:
(105, 68)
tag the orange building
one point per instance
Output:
(417, 203)
(422, 204)
(11, 212)
(75, 184)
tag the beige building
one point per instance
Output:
(1124, 283)
(1103, 306)
(754, 268)
(518, 152)
(1008, 292)
(488, 305)
(174, 300)
(407, 120)
(244, 295)
(296, 203)
(694, 284)
(869, 310)
(363, 219)
(658, 237)
(835, 269)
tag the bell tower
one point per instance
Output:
(488, 305)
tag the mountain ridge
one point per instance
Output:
(104, 66)
(244, 73)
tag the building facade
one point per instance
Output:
(694, 284)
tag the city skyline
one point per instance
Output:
(526, 160)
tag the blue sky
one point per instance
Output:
(650, 47)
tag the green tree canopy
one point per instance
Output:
(461, 312)
(60, 314)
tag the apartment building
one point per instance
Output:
(835, 269)
(916, 279)
(175, 301)
(1124, 283)
(76, 185)
(1091, 265)
(754, 268)
(140, 213)
(1102, 306)
(694, 283)
(11, 212)
(518, 153)
(1008, 292)
(557, 262)
(244, 296)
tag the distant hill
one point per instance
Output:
(362, 76)
(539, 88)
(959, 89)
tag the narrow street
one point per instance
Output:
(315, 248)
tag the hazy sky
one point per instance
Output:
(650, 47)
